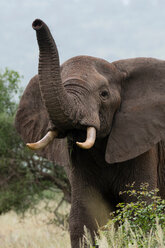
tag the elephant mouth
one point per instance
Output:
(87, 144)
(86, 138)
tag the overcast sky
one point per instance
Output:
(110, 29)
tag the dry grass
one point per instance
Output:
(33, 231)
(128, 238)
(36, 231)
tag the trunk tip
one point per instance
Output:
(37, 24)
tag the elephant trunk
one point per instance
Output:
(59, 104)
(57, 101)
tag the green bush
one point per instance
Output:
(136, 224)
(141, 213)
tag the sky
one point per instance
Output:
(109, 29)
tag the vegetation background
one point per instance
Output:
(29, 185)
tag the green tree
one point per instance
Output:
(9, 89)
(23, 175)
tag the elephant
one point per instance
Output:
(103, 121)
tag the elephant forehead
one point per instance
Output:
(82, 68)
(77, 67)
(92, 80)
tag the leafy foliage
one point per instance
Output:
(144, 212)
(136, 224)
(9, 89)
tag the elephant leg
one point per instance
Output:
(79, 219)
(88, 210)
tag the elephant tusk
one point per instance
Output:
(91, 137)
(44, 141)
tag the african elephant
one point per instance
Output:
(105, 122)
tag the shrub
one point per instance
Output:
(141, 213)
(136, 224)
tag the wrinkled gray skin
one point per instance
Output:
(123, 100)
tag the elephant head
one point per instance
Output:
(122, 102)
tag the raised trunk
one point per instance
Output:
(58, 103)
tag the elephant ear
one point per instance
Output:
(140, 122)
(32, 124)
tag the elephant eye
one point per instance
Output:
(104, 94)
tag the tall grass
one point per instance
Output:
(141, 226)
(124, 237)
(31, 232)
(34, 230)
